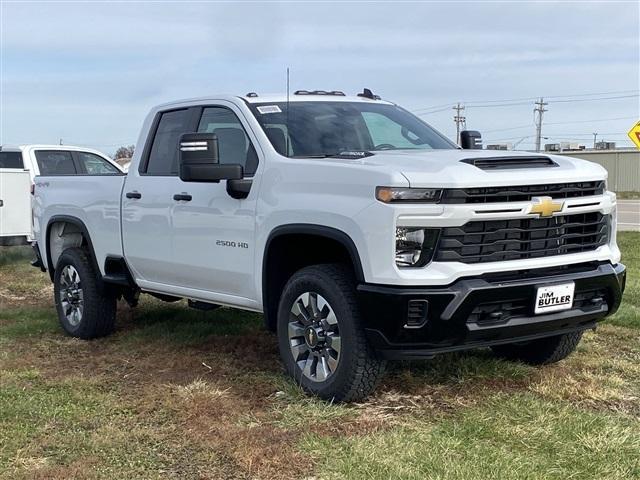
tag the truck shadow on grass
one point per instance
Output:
(235, 343)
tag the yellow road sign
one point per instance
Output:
(634, 134)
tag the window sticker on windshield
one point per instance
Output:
(269, 109)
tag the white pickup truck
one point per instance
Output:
(19, 165)
(359, 231)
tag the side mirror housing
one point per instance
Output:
(471, 140)
(199, 161)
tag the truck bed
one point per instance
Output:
(92, 199)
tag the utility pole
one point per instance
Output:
(540, 104)
(595, 137)
(460, 120)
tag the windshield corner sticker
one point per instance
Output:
(269, 109)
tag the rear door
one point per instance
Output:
(147, 204)
(15, 198)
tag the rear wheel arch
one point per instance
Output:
(65, 232)
(292, 247)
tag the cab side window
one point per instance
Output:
(94, 165)
(163, 157)
(54, 162)
(234, 146)
(11, 160)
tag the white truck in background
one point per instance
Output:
(359, 231)
(19, 165)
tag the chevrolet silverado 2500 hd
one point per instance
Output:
(359, 231)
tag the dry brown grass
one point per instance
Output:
(181, 394)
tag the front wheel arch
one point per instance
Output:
(284, 255)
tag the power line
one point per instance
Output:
(521, 101)
(592, 120)
(434, 111)
(505, 129)
(594, 99)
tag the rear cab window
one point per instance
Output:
(11, 160)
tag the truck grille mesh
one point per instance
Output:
(500, 240)
(522, 193)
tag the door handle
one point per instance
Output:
(182, 196)
(137, 195)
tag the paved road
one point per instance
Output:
(629, 215)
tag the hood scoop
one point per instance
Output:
(507, 163)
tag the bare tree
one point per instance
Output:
(124, 152)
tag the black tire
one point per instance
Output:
(358, 368)
(540, 352)
(98, 312)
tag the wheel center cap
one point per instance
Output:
(313, 337)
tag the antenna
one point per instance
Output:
(287, 120)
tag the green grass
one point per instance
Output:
(23, 322)
(629, 313)
(175, 323)
(180, 393)
(509, 436)
(628, 195)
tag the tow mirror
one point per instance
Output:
(471, 140)
(199, 161)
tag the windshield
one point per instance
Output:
(329, 128)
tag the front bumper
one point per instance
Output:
(419, 322)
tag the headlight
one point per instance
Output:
(409, 195)
(415, 246)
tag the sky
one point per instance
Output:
(88, 72)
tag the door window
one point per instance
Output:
(163, 158)
(11, 160)
(54, 162)
(234, 146)
(95, 165)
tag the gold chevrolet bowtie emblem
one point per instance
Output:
(545, 206)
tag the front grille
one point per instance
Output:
(502, 311)
(500, 240)
(522, 193)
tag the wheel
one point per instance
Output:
(540, 352)
(321, 337)
(84, 309)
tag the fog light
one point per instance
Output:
(415, 246)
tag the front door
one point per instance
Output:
(188, 238)
(213, 233)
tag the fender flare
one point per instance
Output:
(83, 229)
(307, 229)
(320, 231)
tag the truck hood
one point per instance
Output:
(446, 168)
